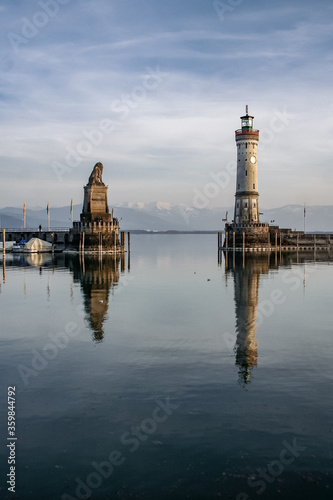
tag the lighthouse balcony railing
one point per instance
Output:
(247, 132)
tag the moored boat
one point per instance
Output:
(34, 245)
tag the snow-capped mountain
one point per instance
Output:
(178, 217)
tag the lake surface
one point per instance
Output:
(171, 374)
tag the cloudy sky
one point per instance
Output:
(154, 89)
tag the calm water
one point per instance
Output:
(171, 376)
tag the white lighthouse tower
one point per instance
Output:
(246, 230)
(246, 202)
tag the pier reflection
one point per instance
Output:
(98, 277)
(246, 268)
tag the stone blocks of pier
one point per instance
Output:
(250, 235)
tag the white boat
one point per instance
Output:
(35, 245)
(8, 246)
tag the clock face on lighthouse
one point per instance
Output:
(253, 159)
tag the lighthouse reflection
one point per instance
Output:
(246, 270)
(98, 278)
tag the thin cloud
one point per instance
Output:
(64, 81)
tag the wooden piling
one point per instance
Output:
(100, 242)
(219, 256)
(4, 255)
(234, 249)
(122, 235)
(129, 241)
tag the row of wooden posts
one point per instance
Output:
(220, 240)
(100, 241)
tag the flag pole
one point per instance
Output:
(48, 215)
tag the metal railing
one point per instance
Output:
(35, 230)
(245, 132)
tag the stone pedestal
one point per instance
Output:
(95, 204)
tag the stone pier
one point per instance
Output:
(98, 229)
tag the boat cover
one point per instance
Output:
(38, 245)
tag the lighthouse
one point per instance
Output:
(246, 198)
(246, 230)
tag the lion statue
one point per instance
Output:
(96, 175)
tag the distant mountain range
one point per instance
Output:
(161, 216)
